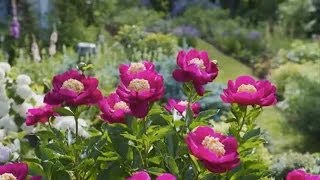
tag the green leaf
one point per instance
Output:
(56, 147)
(156, 171)
(155, 160)
(160, 133)
(61, 175)
(108, 156)
(63, 111)
(35, 169)
(130, 137)
(172, 165)
(208, 114)
(252, 133)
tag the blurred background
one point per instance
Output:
(277, 40)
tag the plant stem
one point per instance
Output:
(243, 120)
(76, 145)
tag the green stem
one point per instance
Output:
(243, 120)
(76, 145)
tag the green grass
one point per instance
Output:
(272, 121)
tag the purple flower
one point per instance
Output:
(254, 35)
(40, 114)
(15, 28)
(114, 109)
(140, 175)
(17, 171)
(140, 85)
(247, 91)
(217, 152)
(72, 88)
(196, 67)
(181, 106)
(300, 174)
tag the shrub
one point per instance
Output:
(299, 85)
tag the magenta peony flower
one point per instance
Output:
(140, 88)
(134, 68)
(72, 88)
(114, 109)
(247, 91)
(196, 67)
(300, 174)
(140, 175)
(217, 152)
(15, 28)
(17, 171)
(181, 106)
(166, 176)
(40, 114)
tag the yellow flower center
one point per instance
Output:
(198, 62)
(139, 85)
(121, 105)
(246, 88)
(183, 103)
(136, 67)
(7, 176)
(215, 61)
(73, 85)
(214, 145)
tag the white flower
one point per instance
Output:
(15, 146)
(22, 109)
(52, 49)
(3, 93)
(4, 108)
(5, 66)
(2, 74)
(24, 91)
(27, 129)
(67, 122)
(38, 99)
(54, 37)
(7, 123)
(3, 134)
(23, 79)
(5, 153)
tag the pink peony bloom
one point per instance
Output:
(300, 174)
(40, 114)
(140, 88)
(134, 68)
(140, 175)
(17, 171)
(217, 152)
(114, 109)
(247, 91)
(166, 176)
(196, 67)
(72, 88)
(181, 106)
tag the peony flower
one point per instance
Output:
(143, 175)
(140, 175)
(247, 91)
(140, 87)
(23, 79)
(196, 67)
(22, 109)
(17, 171)
(7, 122)
(166, 176)
(134, 68)
(72, 88)
(15, 28)
(4, 107)
(114, 109)
(40, 114)
(300, 174)
(181, 106)
(217, 152)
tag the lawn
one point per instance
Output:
(272, 121)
